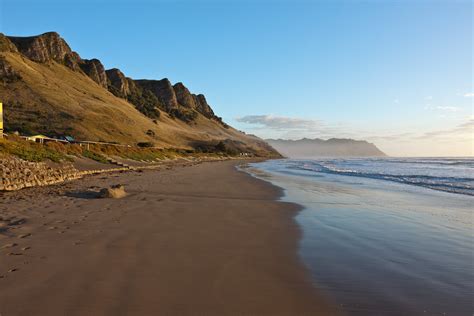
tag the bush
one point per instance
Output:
(31, 151)
(146, 102)
(145, 144)
(185, 115)
(94, 156)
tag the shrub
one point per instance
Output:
(145, 144)
(31, 151)
(94, 156)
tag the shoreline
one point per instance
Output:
(393, 235)
(204, 239)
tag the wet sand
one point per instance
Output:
(197, 240)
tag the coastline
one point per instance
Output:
(408, 246)
(195, 240)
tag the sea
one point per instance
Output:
(384, 236)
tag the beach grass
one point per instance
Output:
(59, 152)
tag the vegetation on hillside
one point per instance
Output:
(57, 151)
(183, 114)
(143, 100)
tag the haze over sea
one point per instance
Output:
(385, 236)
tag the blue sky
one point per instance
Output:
(397, 73)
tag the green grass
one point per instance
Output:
(31, 151)
(57, 152)
(94, 156)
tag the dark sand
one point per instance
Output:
(200, 240)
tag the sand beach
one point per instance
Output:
(196, 239)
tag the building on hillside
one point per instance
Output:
(37, 138)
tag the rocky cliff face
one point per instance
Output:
(6, 45)
(123, 86)
(203, 107)
(95, 70)
(183, 96)
(176, 99)
(163, 90)
(49, 89)
(42, 48)
(192, 101)
(49, 47)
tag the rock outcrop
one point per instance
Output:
(49, 47)
(95, 70)
(163, 90)
(119, 84)
(176, 99)
(72, 60)
(6, 45)
(42, 48)
(203, 107)
(183, 96)
(56, 106)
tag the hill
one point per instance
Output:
(334, 147)
(47, 88)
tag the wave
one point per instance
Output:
(460, 185)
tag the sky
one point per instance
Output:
(395, 73)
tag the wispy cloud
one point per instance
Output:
(294, 127)
(445, 108)
(270, 126)
(463, 130)
(448, 108)
(469, 95)
(280, 122)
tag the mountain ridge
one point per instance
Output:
(333, 147)
(47, 88)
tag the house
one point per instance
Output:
(43, 139)
(37, 138)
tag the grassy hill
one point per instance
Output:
(43, 92)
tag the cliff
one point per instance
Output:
(47, 88)
(334, 147)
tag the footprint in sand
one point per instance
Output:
(26, 248)
(24, 235)
(12, 270)
(9, 245)
(14, 254)
(52, 228)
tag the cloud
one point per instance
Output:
(444, 108)
(469, 95)
(393, 137)
(428, 98)
(448, 108)
(279, 122)
(270, 126)
(463, 130)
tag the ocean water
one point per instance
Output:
(385, 236)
